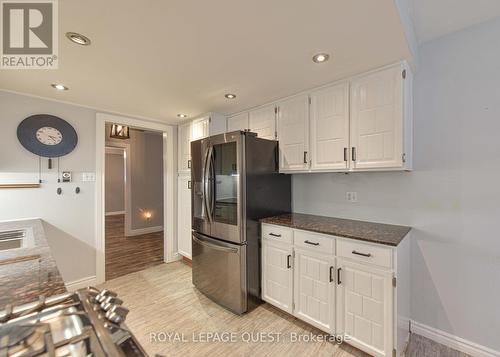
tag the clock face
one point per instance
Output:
(49, 136)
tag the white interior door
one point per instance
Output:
(364, 307)
(314, 287)
(330, 128)
(293, 133)
(184, 216)
(263, 122)
(185, 148)
(377, 119)
(238, 122)
(277, 275)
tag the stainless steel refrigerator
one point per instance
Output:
(235, 183)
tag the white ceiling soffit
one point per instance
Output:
(159, 58)
(435, 18)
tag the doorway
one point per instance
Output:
(135, 201)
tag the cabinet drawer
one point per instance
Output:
(277, 233)
(315, 241)
(366, 253)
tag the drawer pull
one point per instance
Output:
(275, 235)
(331, 274)
(288, 265)
(311, 243)
(362, 254)
(338, 276)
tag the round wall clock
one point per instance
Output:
(47, 135)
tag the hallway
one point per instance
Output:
(125, 255)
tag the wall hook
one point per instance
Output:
(59, 190)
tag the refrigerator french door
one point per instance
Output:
(235, 183)
(218, 177)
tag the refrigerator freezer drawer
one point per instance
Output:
(219, 271)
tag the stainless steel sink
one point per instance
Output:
(15, 239)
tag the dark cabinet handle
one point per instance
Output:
(331, 274)
(353, 154)
(189, 184)
(288, 265)
(311, 243)
(305, 157)
(362, 254)
(338, 276)
(189, 164)
(345, 154)
(275, 235)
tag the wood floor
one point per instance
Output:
(170, 318)
(125, 255)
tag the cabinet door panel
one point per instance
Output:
(364, 309)
(184, 148)
(377, 119)
(293, 133)
(263, 122)
(184, 216)
(330, 128)
(200, 128)
(314, 292)
(238, 122)
(277, 276)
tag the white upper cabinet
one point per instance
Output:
(330, 128)
(293, 133)
(263, 122)
(378, 119)
(184, 148)
(200, 128)
(238, 122)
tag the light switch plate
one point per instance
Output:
(88, 177)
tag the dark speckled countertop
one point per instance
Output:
(387, 234)
(28, 272)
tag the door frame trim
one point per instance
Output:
(169, 186)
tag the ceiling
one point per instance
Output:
(156, 59)
(435, 18)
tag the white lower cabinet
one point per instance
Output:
(184, 215)
(364, 307)
(314, 289)
(277, 274)
(352, 289)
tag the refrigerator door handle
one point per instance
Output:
(215, 246)
(212, 186)
(206, 184)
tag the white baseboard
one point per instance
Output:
(116, 213)
(453, 341)
(81, 283)
(137, 232)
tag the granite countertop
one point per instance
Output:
(28, 272)
(367, 231)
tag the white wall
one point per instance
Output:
(452, 198)
(69, 217)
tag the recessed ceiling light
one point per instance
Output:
(59, 86)
(182, 115)
(321, 57)
(230, 96)
(78, 39)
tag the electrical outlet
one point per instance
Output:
(88, 177)
(351, 196)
